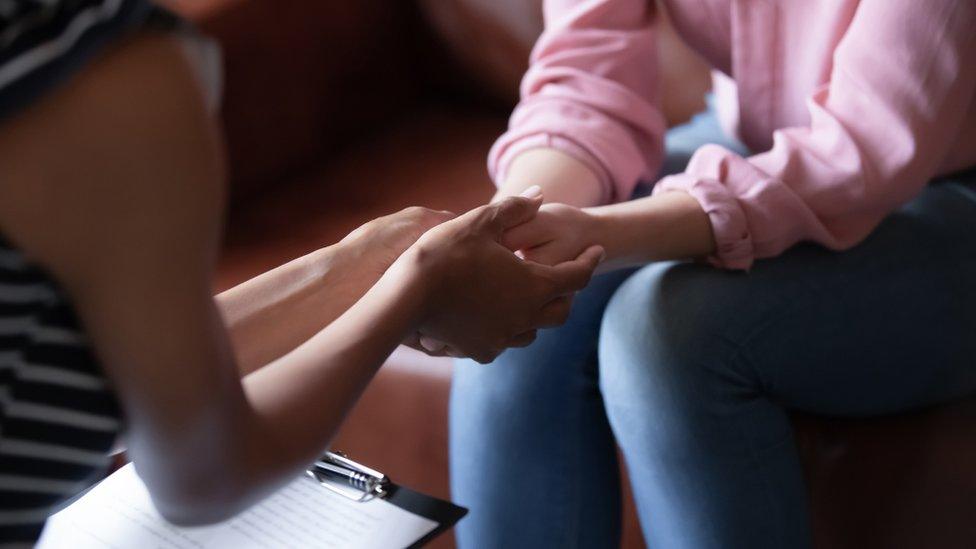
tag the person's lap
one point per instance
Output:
(813, 320)
(532, 455)
(529, 435)
(697, 368)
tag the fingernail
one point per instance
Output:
(431, 345)
(534, 191)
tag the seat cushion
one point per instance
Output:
(903, 481)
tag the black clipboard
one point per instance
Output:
(444, 513)
(360, 483)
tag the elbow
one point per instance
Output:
(190, 503)
(195, 515)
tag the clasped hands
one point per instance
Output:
(491, 277)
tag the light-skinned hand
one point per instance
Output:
(557, 233)
(481, 298)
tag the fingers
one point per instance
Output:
(511, 212)
(572, 276)
(442, 350)
(453, 353)
(531, 234)
(523, 340)
(552, 253)
(555, 313)
(432, 345)
(445, 352)
(413, 341)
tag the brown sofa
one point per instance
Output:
(337, 112)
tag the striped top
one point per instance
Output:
(44, 42)
(58, 418)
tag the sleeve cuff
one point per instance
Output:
(733, 241)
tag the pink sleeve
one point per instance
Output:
(592, 92)
(903, 77)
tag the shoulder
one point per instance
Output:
(121, 160)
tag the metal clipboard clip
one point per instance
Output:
(349, 479)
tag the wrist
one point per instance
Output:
(324, 262)
(348, 268)
(333, 268)
(411, 281)
(664, 226)
(605, 228)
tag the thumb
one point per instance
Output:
(573, 276)
(514, 210)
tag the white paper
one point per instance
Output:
(119, 514)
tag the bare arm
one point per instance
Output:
(127, 219)
(666, 226)
(273, 313)
(657, 228)
(562, 178)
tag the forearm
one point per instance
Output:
(563, 179)
(277, 311)
(298, 402)
(665, 226)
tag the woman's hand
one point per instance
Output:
(373, 247)
(273, 313)
(662, 227)
(481, 298)
(558, 233)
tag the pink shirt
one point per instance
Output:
(856, 103)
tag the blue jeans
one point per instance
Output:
(692, 371)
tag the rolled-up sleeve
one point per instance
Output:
(592, 92)
(903, 78)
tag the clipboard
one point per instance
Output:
(444, 513)
(360, 508)
(357, 482)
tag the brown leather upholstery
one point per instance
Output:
(321, 74)
(905, 481)
(310, 162)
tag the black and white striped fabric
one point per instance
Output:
(58, 417)
(42, 42)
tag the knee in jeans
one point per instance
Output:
(663, 334)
